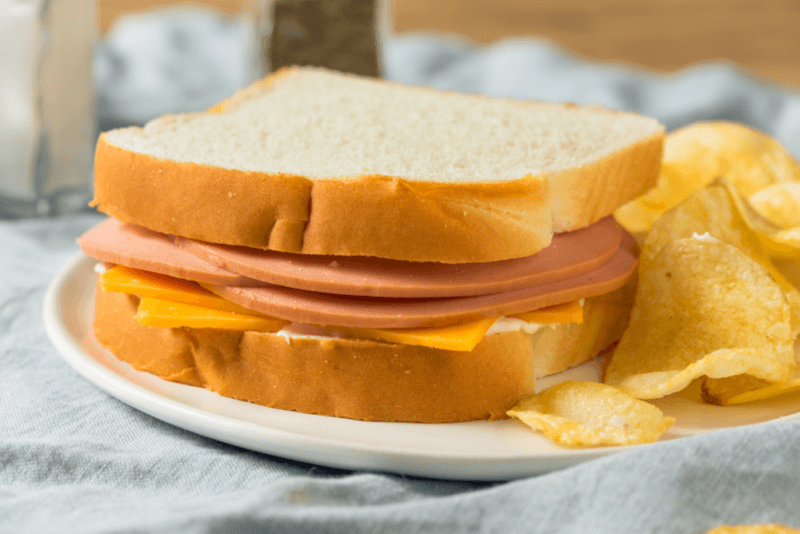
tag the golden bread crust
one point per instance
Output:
(585, 195)
(164, 352)
(364, 216)
(358, 379)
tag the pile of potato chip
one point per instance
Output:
(719, 231)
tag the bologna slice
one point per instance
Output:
(370, 312)
(569, 255)
(137, 247)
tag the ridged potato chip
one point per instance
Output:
(710, 210)
(576, 413)
(726, 182)
(696, 155)
(767, 528)
(703, 308)
(722, 213)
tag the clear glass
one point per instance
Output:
(47, 108)
(344, 35)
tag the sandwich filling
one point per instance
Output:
(183, 282)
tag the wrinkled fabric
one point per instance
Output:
(540, 70)
(75, 460)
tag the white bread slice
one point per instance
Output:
(316, 162)
(360, 379)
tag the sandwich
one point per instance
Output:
(351, 247)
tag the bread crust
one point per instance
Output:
(360, 379)
(363, 216)
(585, 195)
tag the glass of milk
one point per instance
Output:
(47, 109)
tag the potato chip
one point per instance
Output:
(710, 210)
(784, 244)
(576, 413)
(721, 390)
(722, 213)
(745, 388)
(765, 212)
(767, 528)
(703, 308)
(779, 204)
(696, 155)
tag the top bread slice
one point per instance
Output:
(316, 162)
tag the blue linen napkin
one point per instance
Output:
(75, 460)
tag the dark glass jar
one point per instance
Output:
(343, 35)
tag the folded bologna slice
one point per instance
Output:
(569, 254)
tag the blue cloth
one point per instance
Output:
(75, 460)
(540, 70)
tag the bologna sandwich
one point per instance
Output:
(350, 247)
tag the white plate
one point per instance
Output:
(475, 451)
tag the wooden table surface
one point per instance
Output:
(761, 36)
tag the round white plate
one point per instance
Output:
(483, 450)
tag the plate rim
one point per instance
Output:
(284, 443)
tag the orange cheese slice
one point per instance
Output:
(462, 337)
(569, 312)
(121, 279)
(172, 302)
(157, 312)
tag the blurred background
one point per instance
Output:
(72, 67)
(761, 36)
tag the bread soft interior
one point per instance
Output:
(358, 126)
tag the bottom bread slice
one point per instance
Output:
(359, 379)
